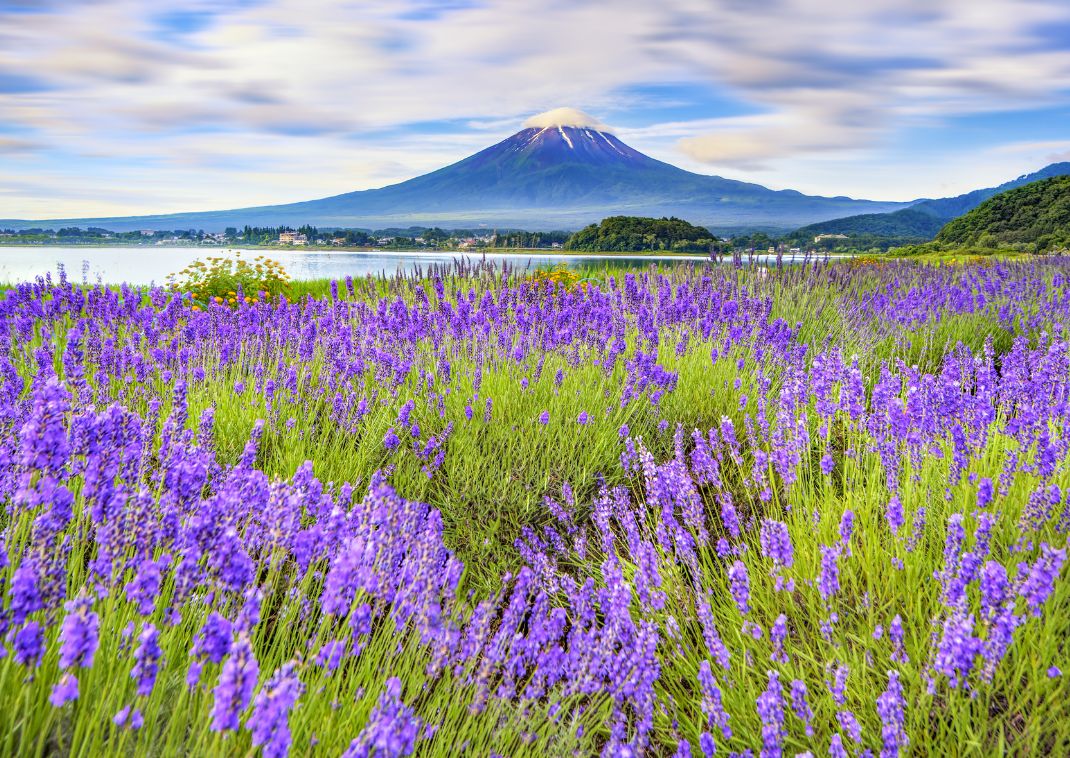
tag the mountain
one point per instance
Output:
(1035, 218)
(908, 223)
(953, 207)
(924, 218)
(563, 170)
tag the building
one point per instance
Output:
(821, 237)
(292, 238)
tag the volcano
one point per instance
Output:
(563, 170)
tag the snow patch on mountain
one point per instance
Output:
(570, 117)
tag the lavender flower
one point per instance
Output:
(828, 582)
(65, 690)
(890, 707)
(236, 683)
(739, 583)
(800, 706)
(771, 713)
(269, 720)
(29, 644)
(392, 728)
(146, 659)
(78, 636)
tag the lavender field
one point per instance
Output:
(746, 511)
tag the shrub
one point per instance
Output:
(231, 280)
(560, 275)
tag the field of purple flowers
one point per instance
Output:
(740, 511)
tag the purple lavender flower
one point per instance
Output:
(890, 707)
(836, 748)
(712, 705)
(269, 720)
(800, 706)
(236, 683)
(330, 654)
(1040, 578)
(775, 542)
(29, 644)
(895, 633)
(847, 527)
(739, 583)
(79, 634)
(771, 713)
(146, 659)
(213, 640)
(129, 717)
(958, 648)
(65, 690)
(582, 419)
(984, 493)
(828, 582)
(392, 728)
(894, 514)
(544, 418)
(778, 635)
(145, 587)
(707, 745)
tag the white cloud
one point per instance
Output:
(289, 99)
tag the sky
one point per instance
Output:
(121, 107)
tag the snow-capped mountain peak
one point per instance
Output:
(566, 117)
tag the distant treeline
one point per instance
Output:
(414, 236)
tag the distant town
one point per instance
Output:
(305, 236)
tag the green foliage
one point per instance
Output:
(636, 233)
(222, 279)
(1033, 218)
(872, 230)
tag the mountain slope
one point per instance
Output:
(923, 219)
(1035, 217)
(555, 173)
(951, 207)
(908, 223)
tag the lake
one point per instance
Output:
(147, 265)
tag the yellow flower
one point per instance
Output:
(196, 308)
(218, 299)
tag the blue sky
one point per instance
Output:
(123, 107)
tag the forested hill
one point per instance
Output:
(1033, 218)
(635, 233)
(901, 227)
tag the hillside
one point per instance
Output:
(921, 221)
(1033, 218)
(952, 207)
(631, 233)
(875, 229)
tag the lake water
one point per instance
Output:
(147, 265)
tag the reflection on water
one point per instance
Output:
(141, 265)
